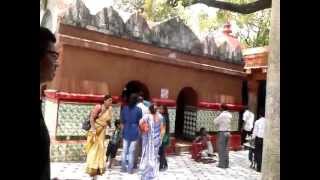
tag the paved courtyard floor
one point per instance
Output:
(181, 167)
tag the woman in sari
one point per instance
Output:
(166, 138)
(152, 131)
(95, 146)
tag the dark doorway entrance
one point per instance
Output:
(261, 97)
(186, 111)
(136, 87)
(245, 94)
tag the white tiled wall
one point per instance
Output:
(206, 117)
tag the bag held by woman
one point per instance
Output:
(86, 125)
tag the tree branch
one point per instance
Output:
(238, 8)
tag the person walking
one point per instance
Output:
(258, 134)
(166, 138)
(142, 106)
(222, 122)
(113, 143)
(95, 149)
(152, 132)
(248, 118)
(130, 116)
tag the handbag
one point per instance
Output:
(144, 127)
(86, 125)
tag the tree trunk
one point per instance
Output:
(271, 149)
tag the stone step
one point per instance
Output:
(182, 147)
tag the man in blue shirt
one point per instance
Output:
(130, 116)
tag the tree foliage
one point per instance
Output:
(253, 28)
(129, 6)
(159, 10)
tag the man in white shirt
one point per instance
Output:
(144, 108)
(248, 118)
(223, 122)
(258, 134)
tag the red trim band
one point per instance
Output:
(74, 97)
(208, 105)
(217, 106)
(90, 98)
(166, 102)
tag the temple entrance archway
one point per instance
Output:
(186, 113)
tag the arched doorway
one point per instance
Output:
(186, 113)
(136, 87)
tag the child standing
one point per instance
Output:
(114, 143)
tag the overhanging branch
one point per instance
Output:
(238, 8)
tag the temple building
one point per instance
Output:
(166, 63)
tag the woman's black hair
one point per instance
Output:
(202, 130)
(261, 114)
(165, 115)
(133, 99)
(107, 96)
(117, 122)
(152, 109)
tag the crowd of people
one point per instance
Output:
(143, 128)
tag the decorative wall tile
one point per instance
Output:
(67, 152)
(58, 152)
(74, 152)
(172, 117)
(235, 121)
(190, 122)
(69, 123)
(72, 115)
(206, 117)
(70, 118)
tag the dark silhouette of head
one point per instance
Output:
(48, 55)
(46, 38)
(224, 107)
(152, 109)
(164, 111)
(133, 99)
(203, 131)
(117, 123)
(260, 114)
